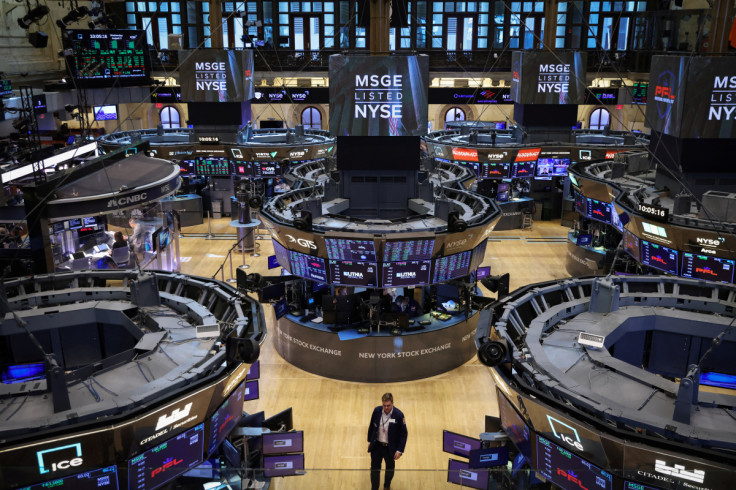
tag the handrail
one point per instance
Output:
(229, 257)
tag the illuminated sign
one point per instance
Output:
(678, 471)
(123, 201)
(302, 242)
(528, 155)
(46, 465)
(465, 154)
(655, 212)
(176, 415)
(569, 436)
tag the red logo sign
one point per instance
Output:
(528, 155)
(610, 154)
(664, 92)
(465, 154)
(167, 464)
(705, 270)
(658, 259)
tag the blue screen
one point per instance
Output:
(225, 417)
(567, 470)
(102, 478)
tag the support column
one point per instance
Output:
(550, 24)
(216, 24)
(378, 33)
(723, 11)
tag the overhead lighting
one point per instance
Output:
(102, 20)
(73, 16)
(33, 15)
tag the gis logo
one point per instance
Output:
(565, 433)
(59, 458)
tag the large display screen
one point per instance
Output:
(514, 426)
(350, 249)
(495, 171)
(408, 250)
(225, 417)
(522, 169)
(598, 210)
(540, 77)
(552, 167)
(308, 266)
(458, 444)
(479, 253)
(283, 442)
(631, 245)
(451, 267)
(104, 478)
(567, 470)
(460, 473)
(282, 254)
(107, 57)
(266, 169)
(667, 78)
(579, 202)
(354, 273)
(707, 267)
(378, 95)
(105, 112)
(212, 166)
(639, 92)
(283, 465)
(408, 273)
(6, 87)
(215, 75)
(166, 461)
(659, 257)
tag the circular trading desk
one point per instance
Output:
(379, 357)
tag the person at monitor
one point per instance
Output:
(120, 240)
(386, 440)
(405, 304)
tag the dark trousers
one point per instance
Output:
(381, 452)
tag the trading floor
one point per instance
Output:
(334, 414)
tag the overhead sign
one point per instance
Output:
(548, 78)
(215, 75)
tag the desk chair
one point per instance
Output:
(80, 264)
(121, 256)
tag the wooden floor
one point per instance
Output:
(334, 414)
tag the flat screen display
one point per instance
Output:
(6, 87)
(639, 93)
(539, 77)
(598, 210)
(283, 442)
(495, 171)
(482, 272)
(458, 444)
(39, 104)
(308, 266)
(105, 112)
(104, 478)
(282, 254)
(280, 308)
(226, 417)
(408, 273)
(479, 254)
(166, 461)
(354, 273)
(514, 426)
(254, 371)
(579, 202)
(460, 473)
(630, 485)
(616, 220)
(631, 245)
(552, 167)
(408, 250)
(273, 262)
(283, 465)
(252, 391)
(522, 169)
(58, 227)
(243, 168)
(451, 267)
(350, 249)
(267, 169)
(108, 57)
(217, 166)
(707, 267)
(216, 75)
(75, 223)
(567, 470)
(659, 257)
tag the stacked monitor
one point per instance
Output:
(226, 417)
(460, 472)
(407, 263)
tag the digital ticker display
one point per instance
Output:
(350, 249)
(706, 267)
(408, 273)
(659, 257)
(212, 166)
(166, 461)
(598, 210)
(567, 470)
(451, 267)
(408, 250)
(495, 171)
(104, 478)
(630, 485)
(308, 266)
(522, 169)
(104, 57)
(354, 273)
(225, 417)
(639, 93)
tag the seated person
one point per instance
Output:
(405, 304)
(387, 300)
(120, 240)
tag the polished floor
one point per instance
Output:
(334, 414)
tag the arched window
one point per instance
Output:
(312, 118)
(169, 117)
(599, 118)
(454, 114)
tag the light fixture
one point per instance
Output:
(102, 20)
(33, 15)
(73, 16)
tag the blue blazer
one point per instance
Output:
(397, 432)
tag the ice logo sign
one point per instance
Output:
(565, 433)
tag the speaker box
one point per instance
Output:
(455, 224)
(304, 222)
(242, 350)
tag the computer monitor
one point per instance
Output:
(483, 272)
(283, 465)
(489, 457)
(458, 444)
(252, 391)
(460, 473)
(272, 292)
(233, 456)
(273, 262)
(280, 308)
(252, 420)
(282, 421)
(283, 442)
(226, 417)
(254, 371)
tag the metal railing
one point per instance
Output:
(229, 259)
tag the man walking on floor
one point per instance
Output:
(386, 440)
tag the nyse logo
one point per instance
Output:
(709, 242)
(302, 242)
(50, 460)
(457, 243)
(678, 471)
(176, 415)
(565, 433)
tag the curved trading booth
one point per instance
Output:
(657, 232)
(617, 379)
(120, 378)
(516, 173)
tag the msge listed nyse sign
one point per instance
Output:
(378, 96)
